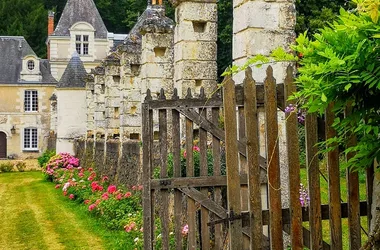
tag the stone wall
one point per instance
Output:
(121, 162)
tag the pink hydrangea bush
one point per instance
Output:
(60, 161)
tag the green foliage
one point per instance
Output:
(340, 65)
(6, 167)
(45, 157)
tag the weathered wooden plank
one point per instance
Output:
(353, 196)
(217, 101)
(273, 159)
(191, 209)
(334, 184)
(233, 185)
(177, 174)
(205, 201)
(251, 124)
(291, 123)
(314, 182)
(217, 172)
(205, 232)
(210, 181)
(164, 208)
(147, 164)
(212, 128)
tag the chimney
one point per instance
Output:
(50, 30)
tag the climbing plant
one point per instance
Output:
(340, 64)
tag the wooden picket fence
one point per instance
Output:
(225, 211)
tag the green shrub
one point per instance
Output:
(21, 166)
(6, 167)
(45, 157)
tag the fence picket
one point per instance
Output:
(314, 182)
(294, 164)
(191, 209)
(177, 174)
(164, 208)
(334, 184)
(353, 198)
(251, 124)
(147, 116)
(274, 181)
(233, 178)
(205, 233)
(217, 172)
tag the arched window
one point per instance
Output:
(31, 65)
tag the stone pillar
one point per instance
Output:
(112, 95)
(195, 47)
(90, 101)
(99, 102)
(130, 117)
(157, 52)
(259, 27)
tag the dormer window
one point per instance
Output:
(31, 65)
(81, 44)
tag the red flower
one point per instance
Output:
(196, 148)
(57, 186)
(105, 196)
(105, 178)
(128, 194)
(119, 196)
(71, 196)
(91, 207)
(111, 189)
(86, 201)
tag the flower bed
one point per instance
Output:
(118, 208)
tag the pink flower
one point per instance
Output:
(128, 194)
(105, 178)
(134, 188)
(71, 196)
(97, 201)
(92, 207)
(90, 169)
(105, 196)
(141, 229)
(119, 196)
(80, 174)
(57, 186)
(90, 178)
(111, 189)
(140, 187)
(185, 230)
(86, 202)
(184, 154)
(64, 193)
(196, 148)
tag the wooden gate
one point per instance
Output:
(3, 145)
(203, 174)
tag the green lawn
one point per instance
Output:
(324, 199)
(34, 215)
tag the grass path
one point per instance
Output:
(34, 216)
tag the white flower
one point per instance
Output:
(66, 186)
(159, 236)
(136, 239)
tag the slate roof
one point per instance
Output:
(74, 75)
(12, 50)
(80, 11)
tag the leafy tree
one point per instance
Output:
(25, 18)
(315, 14)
